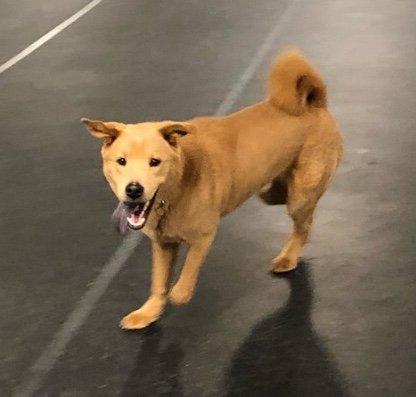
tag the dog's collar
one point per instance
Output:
(162, 204)
(161, 210)
(161, 207)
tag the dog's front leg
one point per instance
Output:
(163, 258)
(183, 290)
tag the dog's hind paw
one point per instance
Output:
(137, 320)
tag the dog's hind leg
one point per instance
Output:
(306, 184)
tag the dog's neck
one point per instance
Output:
(183, 175)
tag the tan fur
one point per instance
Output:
(285, 149)
(294, 86)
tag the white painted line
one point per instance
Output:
(77, 318)
(35, 45)
(257, 60)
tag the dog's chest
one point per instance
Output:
(165, 227)
(172, 230)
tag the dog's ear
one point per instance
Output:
(172, 132)
(107, 130)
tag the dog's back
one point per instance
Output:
(254, 146)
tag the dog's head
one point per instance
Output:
(137, 160)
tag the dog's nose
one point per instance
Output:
(134, 190)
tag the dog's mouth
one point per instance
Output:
(137, 214)
(132, 215)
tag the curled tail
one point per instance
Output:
(294, 86)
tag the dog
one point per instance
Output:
(176, 179)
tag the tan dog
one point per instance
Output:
(177, 179)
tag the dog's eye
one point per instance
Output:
(154, 162)
(122, 161)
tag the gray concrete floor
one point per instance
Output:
(343, 324)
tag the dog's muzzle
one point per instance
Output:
(132, 216)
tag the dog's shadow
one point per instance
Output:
(157, 368)
(283, 356)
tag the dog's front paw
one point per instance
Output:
(137, 319)
(179, 295)
(283, 264)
